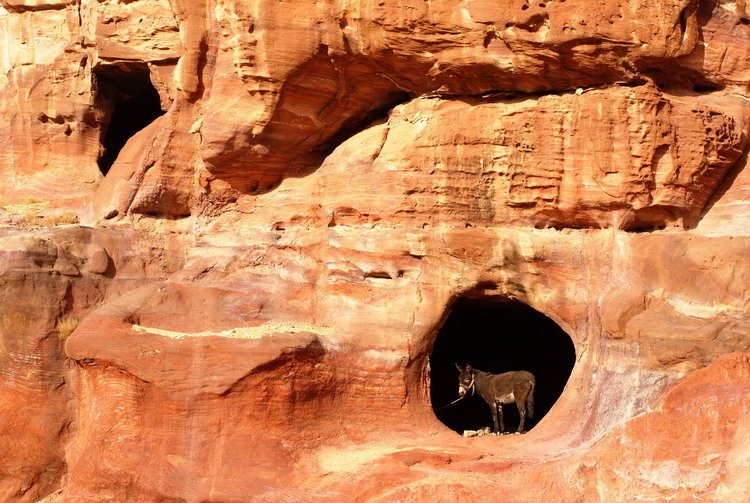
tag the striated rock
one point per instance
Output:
(645, 457)
(46, 278)
(349, 394)
(141, 30)
(681, 148)
(556, 161)
(56, 113)
(233, 232)
(360, 55)
(275, 375)
(652, 457)
(34, 398)
(331, 81)
(720, 56)
(728, 209)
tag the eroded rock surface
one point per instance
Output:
(240, 305)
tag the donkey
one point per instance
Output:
(499, 389)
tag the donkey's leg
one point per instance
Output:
(493, 408)
(522, 413)
(521, 404)
(499, 408)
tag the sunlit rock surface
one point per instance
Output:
(232, 231)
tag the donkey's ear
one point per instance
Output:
(468, 367)
(458, 366)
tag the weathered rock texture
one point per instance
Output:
(259, 278)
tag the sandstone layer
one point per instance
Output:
(232, 231)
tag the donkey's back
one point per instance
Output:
(508, 387)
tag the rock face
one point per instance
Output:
(239, 300)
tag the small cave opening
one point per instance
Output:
(497, 336)
(129, 102)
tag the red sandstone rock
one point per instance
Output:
(269, 263)
(691, 444)
(325, 79)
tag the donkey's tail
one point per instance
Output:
(530, 401)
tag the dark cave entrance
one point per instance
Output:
(129, 101)
(497, 336)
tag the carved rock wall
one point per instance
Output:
(263, 271)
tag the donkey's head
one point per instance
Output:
(465, 379)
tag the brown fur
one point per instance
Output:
(499, 389)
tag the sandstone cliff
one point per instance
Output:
(234, 233)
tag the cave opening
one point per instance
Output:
(129, 102)
(497, 336)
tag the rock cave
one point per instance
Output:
(130, 102)
(264, 298)
(497, 336)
